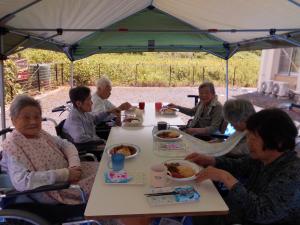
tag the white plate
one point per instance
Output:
(137, 148)
(167, 139)
(183, 162)
(131, 124)
(165, 112)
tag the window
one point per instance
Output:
(289, 63)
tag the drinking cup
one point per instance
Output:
(162, 125)
(158, 175)
(142, 105)
(158, 106)
(117, 162)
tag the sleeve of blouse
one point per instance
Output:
(23, 179)
(69, 150)
(188, 111)
(272, 204)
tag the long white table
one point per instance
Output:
(115, 200)
(150, 117)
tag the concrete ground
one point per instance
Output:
(177, 95)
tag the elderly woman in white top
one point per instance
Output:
(32, 157)
(237, 112)
(100, 97)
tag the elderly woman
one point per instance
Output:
(237, 112)
(207, 114)
(34, 158)
(271, 193)
(100, 97)
(80, 124)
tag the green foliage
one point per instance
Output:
(156, 69)
(12, 88)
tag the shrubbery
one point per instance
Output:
(151, 69)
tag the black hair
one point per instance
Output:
(79, 93)
(275, 127)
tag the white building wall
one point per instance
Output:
(269, 65)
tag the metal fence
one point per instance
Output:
(40, 77)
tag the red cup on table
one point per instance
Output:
(142, 105)
(158, 106)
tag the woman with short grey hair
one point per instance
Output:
(33, 158)
(22, 101)
(100, 97)
(237, 112)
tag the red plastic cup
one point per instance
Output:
(158, 106)
(142, 105)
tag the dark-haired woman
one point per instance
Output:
(271, 192)
(80, 124)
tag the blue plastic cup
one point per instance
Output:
(117, 162)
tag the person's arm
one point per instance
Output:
(69, 150)
(23, 179)
(73, 126)
(238, 167)
(271, 204)
(101, 117)
(187, 111)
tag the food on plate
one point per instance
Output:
(168, 134)
(125, 150)
(169, 110)
(131, 120)
(178, 170)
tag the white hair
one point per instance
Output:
(103, 82)
(20, 102)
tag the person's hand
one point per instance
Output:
(200, 159)
(74, 174)
(217, 175)
(125, 106)
(193, 131)
(171, 105)
(115, 111)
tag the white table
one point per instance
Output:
(150, 117)
(112, 201)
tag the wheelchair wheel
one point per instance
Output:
(19, 217)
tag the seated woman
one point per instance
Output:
(207, 114)
(100, 97)
(34, 158)
(271, 193)
(80, 124)
(237, 112)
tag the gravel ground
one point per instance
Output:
(177, 95)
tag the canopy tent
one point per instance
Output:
(81, 28)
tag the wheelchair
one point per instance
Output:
(18, 208)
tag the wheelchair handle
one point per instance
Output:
(5, 130)
(59, 108)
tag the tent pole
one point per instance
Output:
(227, 79)
(72, 74)
(2, 100)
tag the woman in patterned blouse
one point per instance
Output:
(269, 191)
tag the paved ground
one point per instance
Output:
(131, 94)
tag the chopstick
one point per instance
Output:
(161, 193)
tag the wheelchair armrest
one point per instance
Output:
(219, 136)
(89, 144)
(11, 192)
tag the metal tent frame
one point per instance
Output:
(29, 40)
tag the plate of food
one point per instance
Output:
(132, 122)
(168, 135)
(182, 170)
(128, 150)
(168, 111)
